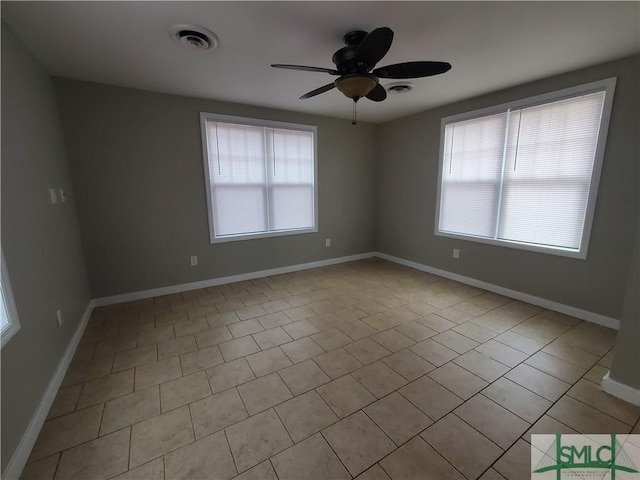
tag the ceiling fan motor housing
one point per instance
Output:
(345, 59)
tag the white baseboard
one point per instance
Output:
(525, 297)
(21, 455)
(156, 292)
(620, 390)
(28, 440)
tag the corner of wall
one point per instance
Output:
(620, 390)
(41, 244)
(21, 454)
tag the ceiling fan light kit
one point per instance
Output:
(356, 86)
(355, 67)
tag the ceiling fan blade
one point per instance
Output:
(374, 46)
(378, 94)
(306, 69)
(412, 70)
(318, 91)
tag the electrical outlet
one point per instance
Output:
(327, 242)
(59, 317)
(194, 260)
(63, 196)
(456, 253)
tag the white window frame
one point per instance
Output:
(606, 85)
(9, 305)
(255, 122)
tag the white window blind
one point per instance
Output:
(261, 179)
(473, 155)
(523, 175)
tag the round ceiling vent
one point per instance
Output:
(194, 37)
(399, 87)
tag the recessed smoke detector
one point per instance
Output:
(399, 87)
(191, 36)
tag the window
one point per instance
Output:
(9, 324)
(525, 174)
(261, 177)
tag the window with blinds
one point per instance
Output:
(526, 174)
(9, 323)
(261, 177)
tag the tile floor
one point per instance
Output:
(365, 370)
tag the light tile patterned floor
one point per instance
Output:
(366, 369)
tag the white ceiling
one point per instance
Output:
(491, 45)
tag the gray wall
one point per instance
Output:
(625, 367)
(136, 163)
(407, 170)
(41, 241)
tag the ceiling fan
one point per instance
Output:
(355, 64)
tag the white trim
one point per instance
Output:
(530, 247)
(28, 440)
(525, 297)
(598, 159)
(207, 173)
(254, 236)
(9, 304)
(156, 292)
(620, 390)
(556, 95)
(257, 122)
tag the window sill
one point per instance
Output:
(8, 332)
(557, 251)
(255, 236)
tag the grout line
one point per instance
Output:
(546, 412)
(293, 443)
(55, 470)
(598, 410)
(243, 404)
(427, 443)
(272, 467)
(331, 446)
(193, 430)
(130, 446)
(164, 468)
(312, 299)
(224, 431)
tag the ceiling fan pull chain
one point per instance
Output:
(353, 122)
